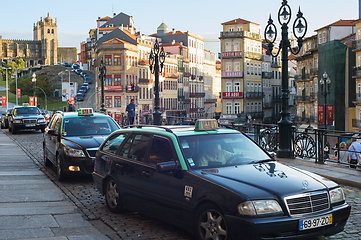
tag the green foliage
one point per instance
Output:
(24, 84)
(14, 65)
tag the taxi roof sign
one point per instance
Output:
(85, 112)
(206, 125)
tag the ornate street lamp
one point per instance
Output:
(156, 61)
(325, 80)
(34, 81)
(102, 72)
(270, 34)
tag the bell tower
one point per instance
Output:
(45, 31)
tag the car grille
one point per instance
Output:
(27, 121)
(92, 153)
(308, 203)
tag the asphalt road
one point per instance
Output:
(133, 225)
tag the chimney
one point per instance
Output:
(121, 27)
(173, 42)
(174, 28)
(114, 14)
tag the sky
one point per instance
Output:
(203, 17)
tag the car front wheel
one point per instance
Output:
(112, 196)
(59, 169)
(210, 223)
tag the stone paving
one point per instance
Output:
(133, 225)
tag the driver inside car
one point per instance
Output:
(213, 154)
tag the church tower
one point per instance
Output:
(46, 31)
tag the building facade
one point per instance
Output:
(42, 50)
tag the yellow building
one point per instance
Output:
(241, 63)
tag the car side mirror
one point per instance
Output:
(3, 113)
(167, 166)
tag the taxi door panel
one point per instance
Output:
(163, 191)
(128, 168)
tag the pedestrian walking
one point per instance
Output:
(131, 112)
(327, 151)
(354, 152)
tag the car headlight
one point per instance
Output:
(259, 207)
(73, 152)
(336, 195)
(17, 121)
(41, 120)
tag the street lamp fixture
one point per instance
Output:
(102, 73)
(34, 81)
(156, 61)
(270, 35)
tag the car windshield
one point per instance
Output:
(27, 110)
(84, 126)
(217, 150)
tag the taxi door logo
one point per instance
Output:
(188, 190)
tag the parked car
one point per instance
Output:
(86, 85)
(215, 183)
(75, 66)
(84, 88)
(72, 139)
(65, 64)
(5, 118)
(83, 74)
(78, 71)
(79, 97)
(81, 91)
(25, 117)
(88, 80)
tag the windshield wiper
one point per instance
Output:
(264, 160)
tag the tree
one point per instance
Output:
(13, 65)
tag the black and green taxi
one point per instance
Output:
(71, 140)
(25, 117)
(215, 183)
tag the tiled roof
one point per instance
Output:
(104, 18)
(238, 20)
(340, 23)
(177, 32)
(171, 44)
(348, 36)
(126, 31)
(109, 28)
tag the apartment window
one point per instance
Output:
(228, 47)
(358, 89)
(236, 66)
(108, 101)
(237, 108)
(108, 80)
(228, 108)
(237, 87)
(259, 87)
(248, 107)
(228, 67)
(231, 29)
(252, 87)
(117, 60)
(252, 69)
(108, 59)
(248, 69)
(236, 46)
(117, 101)
(248, 87)
(259, 69)
(117, 80)
(256, 87)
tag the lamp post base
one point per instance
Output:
(157, 117)
(284, 153)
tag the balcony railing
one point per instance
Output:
(193, 77)
(276, 64)
(256, 114)
(171, 75)
(254, 94)
(145, 81)
(267, 75)
(143, 62)
(186, 74)
(180, 69)
(240, 34)
(306, 98)
(356, 123)
(232, 94)
(193, 109)
(199, 94)
(181, 97)
(276, 98)
(253, 55)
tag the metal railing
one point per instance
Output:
(306, 143)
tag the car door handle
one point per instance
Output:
(118, 167)
(146, 173)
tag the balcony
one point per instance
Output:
(306, 98)
(356, 123)
(187, 101)
(145, 81)
(276, 98)
(171, 75)
(254, 95)
(253, 55)
(232, 94)
(200, 78)
(232, 74)
(266, 58)
(193, 109)
(199, 94)
(267, 75)
(180, 69)
(193, 77)
(240, 34)
(186, 74)
(232, 54)
(268, 105)
(181, 97)
(276, 64)
(303, 77)
(143, 62)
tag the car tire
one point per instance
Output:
(112, 196)
(60, 174)
(13, 130)
(47, 162)
(210, 221)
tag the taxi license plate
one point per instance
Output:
(29, 125)
(315, 222)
